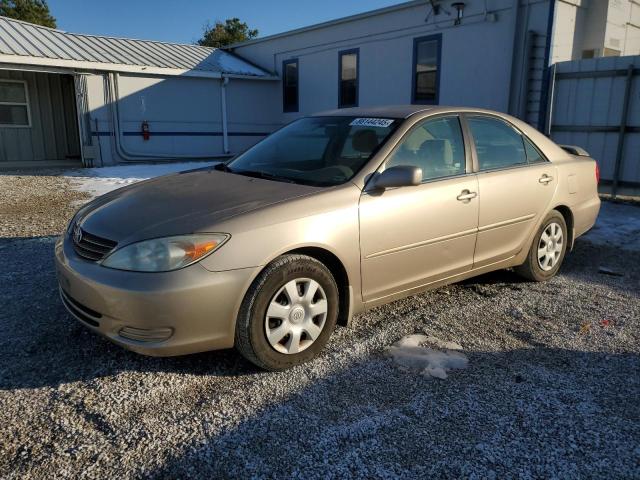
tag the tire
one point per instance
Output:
(547, 251)
(303, 318)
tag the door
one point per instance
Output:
(411, 236)
(515, 185)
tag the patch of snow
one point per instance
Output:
(432, 356)
(98, 181)
(618, 226)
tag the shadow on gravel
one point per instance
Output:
(533, 410)
(604, 265)
(540, 412)
(42, 345)
(584, 263)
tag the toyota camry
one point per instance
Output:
(329, 216)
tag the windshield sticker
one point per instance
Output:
(371, 122)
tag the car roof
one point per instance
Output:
(392, 111)
(402, 111)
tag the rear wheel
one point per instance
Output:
(547, 250)
(288, 314)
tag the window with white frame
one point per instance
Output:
(14, 104)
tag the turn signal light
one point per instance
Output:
(197, 250)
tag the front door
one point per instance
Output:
(515, 185)
(412, 236)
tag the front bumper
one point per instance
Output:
(160, 314)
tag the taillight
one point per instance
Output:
(597, 173)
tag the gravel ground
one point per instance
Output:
(36, 205)
(552, 389)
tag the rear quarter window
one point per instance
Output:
(533, 154)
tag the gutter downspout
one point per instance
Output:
(117, 133)
(544, 97)
(511, 105)
(79, 93)
(223, 102)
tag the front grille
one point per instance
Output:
(89, 246)
(80, 311)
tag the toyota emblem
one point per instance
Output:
(77, 233)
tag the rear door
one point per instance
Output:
(414, 235)
(515, 185)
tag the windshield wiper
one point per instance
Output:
(264, 175)
(223, 167)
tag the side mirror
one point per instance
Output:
(400, 176)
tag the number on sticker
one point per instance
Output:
(371, 122)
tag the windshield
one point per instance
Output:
(321, 151)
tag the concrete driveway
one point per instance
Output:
(552, 388)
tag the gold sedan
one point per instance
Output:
(327, 217)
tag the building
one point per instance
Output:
(67, 99)
(491, 53)
(105, 100)
(595, 28)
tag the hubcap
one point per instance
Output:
(296, 316)
(550, 246)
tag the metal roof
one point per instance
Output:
(25, 43)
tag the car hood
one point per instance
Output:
(181, 203)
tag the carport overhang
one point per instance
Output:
(77, 68)
(55, 65)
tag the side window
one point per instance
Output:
(533, 155)
(436, 146)
(498, 145)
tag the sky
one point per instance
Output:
(182, 20)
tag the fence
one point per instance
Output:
(595, 104)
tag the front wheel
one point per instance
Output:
(288, 313)
(547, 250)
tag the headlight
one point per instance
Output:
(165, 254)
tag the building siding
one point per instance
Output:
(587, 111)
(477, 60)
(53, 134)
(184, 115)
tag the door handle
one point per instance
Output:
(466, 196)
(545, 179)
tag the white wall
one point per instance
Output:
(623, 22)
(184, 115)
(253, 106)
(179, 111)
(595, 22)
(568, 29)
(595, 25)
(632, 36)
(476, 65)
